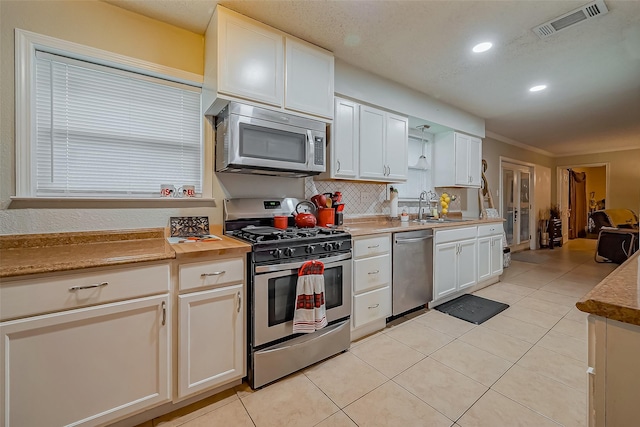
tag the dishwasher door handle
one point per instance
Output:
(417, 239)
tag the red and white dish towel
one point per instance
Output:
(310, 310)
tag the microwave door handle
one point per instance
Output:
(311, 149)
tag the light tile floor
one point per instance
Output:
(524, 367)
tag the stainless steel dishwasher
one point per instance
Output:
(412, 284)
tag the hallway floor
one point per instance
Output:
(524, 367)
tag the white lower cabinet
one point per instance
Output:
(211, 324)
(86, 366)
(371, 283)
(455, 261)
(211, 338)
(489, 251)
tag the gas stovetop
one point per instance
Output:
(257, 234)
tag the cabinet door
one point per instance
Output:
(462, 159)
(308, 79)
(86, 366)
(485, 251)
(396, 147)
(444, 269)
(496, 255)
(466, 267)
(344, 144)
(211, 338)
(250, 60)
(475, 161)
(372, 133)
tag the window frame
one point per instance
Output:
(26, 44)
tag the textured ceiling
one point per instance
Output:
(592, 70)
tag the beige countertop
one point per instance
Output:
(617, 297)
(46, 253)
(376, 225)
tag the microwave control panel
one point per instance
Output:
(318, 147)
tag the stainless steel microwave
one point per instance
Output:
(259, 141)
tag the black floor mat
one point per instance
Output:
(472, 308)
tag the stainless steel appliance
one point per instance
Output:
(412, 270)
(259, 141)
(273, 349)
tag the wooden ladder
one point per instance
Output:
(485, 198)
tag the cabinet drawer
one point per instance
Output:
(368, 246)
(22, 298)
(455, 234)
(371, 273)
(490, 229)
(210, 273)
(371, 306)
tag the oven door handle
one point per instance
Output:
(296, 265)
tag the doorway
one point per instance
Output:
(582, 189)
(516, 204)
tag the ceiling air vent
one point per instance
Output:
(581, 14)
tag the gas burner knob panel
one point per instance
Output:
(310, 249)
(289, 251)
(277, 253)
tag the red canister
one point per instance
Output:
(326, 217)
(280, 221)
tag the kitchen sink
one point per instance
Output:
(439, 220)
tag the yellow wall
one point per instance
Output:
(624, 176)
(596, 182)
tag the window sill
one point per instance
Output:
(108, 203)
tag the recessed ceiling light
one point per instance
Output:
(538, 88)
(482, 47)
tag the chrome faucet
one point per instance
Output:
(423, 196)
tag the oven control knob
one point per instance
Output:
(277, 253)
(310, 249)
(327, 246)
(337, 245)
(289, 251)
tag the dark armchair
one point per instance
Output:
(617, 231)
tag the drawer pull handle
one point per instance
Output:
(374, 306)
(164, 313)
(374, 272)
(374, 246)
(215, 273)
(97, 285)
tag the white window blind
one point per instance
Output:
(106, 132)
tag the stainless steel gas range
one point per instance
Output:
(274, 350)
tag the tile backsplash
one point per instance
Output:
(362, 199)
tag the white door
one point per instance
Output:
(344, 144)
(565, 212)
(462, 159)
(211, 338)
(484, 258)
(444, 270)
(86, 366)
(251, 60)
(466, 266)
(372, 134)
(475, 161)
(516, 205)
(309, 79)
(396, 152)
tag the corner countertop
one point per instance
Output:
(376, 225)
(617, 297)
(26, 254)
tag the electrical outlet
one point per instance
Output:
(365, 196)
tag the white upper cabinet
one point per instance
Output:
(251, 62)
(308, 78)
(372, 143)
(457, 160)
(396, 147)
(344, 140)
(383, 145)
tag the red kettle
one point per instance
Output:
(305, 219)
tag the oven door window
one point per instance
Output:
(272, 144)
(282, 294)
